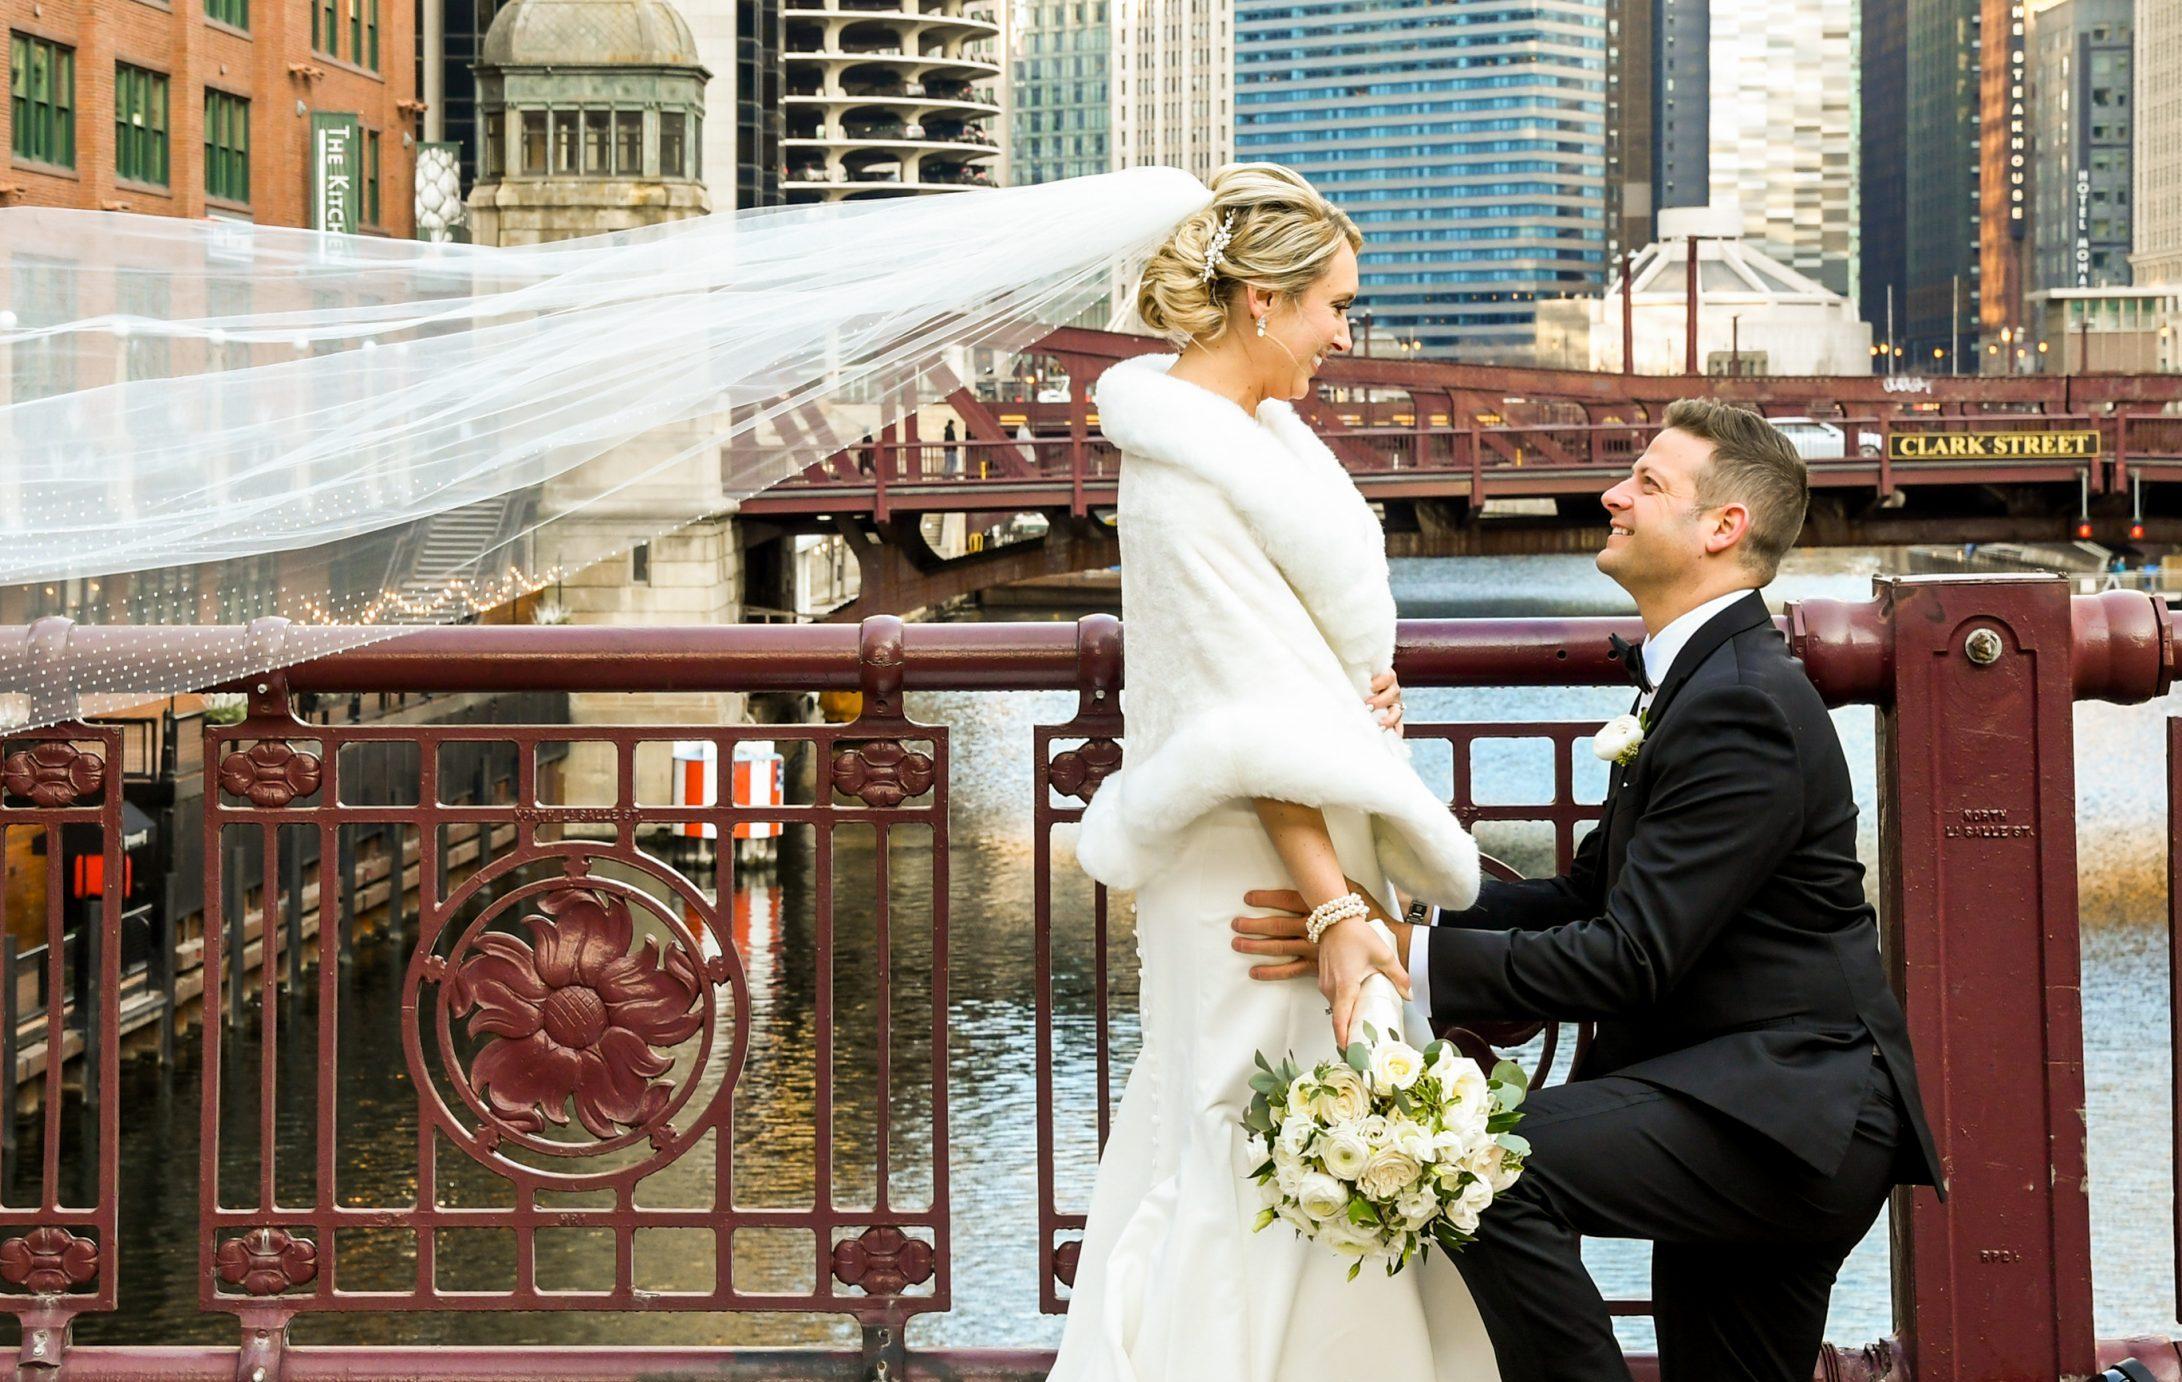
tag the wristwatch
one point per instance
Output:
(1419, 913)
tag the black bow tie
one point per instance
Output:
(1631, 658)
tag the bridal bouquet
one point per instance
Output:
(1383, 1153)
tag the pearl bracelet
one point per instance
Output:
(1342, 908)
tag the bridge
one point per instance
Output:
(1977, 680)
(1445, 447)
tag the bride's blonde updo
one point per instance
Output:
(1283, 237)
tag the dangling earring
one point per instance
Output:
(1261, 328)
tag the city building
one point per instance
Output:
(2118, 328)
(591, 115)
(1882, 156)
(2081, 127)
(1468, 142)
(1632, 92)
(1730, 130)
(1059, 94)
(236, 108)
(1755, 314)
(889, 98)
(2003, 142)
(1174, 78)
(1926, 230)
(2156, 207)
(744, 44)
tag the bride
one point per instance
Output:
(1264, 751)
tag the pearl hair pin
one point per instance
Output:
(1213, 251)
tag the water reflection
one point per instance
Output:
(989, 1048)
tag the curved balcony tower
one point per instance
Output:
(888, 98)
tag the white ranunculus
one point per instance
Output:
(1388, 1174)
(1322, 1197)
(1341, 1096)
(1619, 739)
(1344, 1151)
(1395, 1064)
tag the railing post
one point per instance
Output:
(1978, 860)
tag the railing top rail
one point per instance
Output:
(2124, 650)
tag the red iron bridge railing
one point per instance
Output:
(533, 912)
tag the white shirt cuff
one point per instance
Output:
(1420, 972)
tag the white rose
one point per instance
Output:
(1408, 1135)
(1289, 1176)
(1299, 1094)
(1295, 1218)
(1618, 739)
(1396, 1064)
(1465, 1084)
(1464, 1219)
(1417, 1208)
(1322, 1197)
(1344, 1151)
(1350, 1240)
(1296, 1133)
(1506, 1170)
(1475, 1197)
(1388, 1174)
(1446, 1068)
(1373, 1129)
(1341, 1096)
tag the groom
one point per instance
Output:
(1749, 1097)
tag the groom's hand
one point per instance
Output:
(1353, 950)
(1279, 937)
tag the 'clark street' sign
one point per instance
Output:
(1992, 446)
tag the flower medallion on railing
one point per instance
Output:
(882, 772)
(48, 1260)
(883, 1261)
(270, 773)
(53, 773)
(267, 1261)
(575, 1016)
(1079, 771)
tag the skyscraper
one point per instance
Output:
(1466, 137)
(2157, 203)
(1755, 106)
(2081, 107)
(1174, 76)
(1059, 89)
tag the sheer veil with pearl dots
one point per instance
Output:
(207, 422)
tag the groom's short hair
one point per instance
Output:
(1754, 465)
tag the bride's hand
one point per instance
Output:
(1350, 952)
(1385, 701)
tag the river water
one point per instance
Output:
(992, 1071)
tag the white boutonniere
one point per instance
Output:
(1619, 739)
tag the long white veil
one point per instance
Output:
(208, 422)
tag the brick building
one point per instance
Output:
(203, 107)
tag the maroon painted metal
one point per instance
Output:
(61, 1255)
(575, 1015)
(1979, 886)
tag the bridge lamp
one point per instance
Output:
(2083, 530)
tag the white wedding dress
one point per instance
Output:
(1256, 608)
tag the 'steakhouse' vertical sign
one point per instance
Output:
(336, 171)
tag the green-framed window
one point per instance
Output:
(326, 26)
(356, 30)
(227, 146)
(371, 177)
(42, 99)
(371, 34)
(140, 124)
(234, 12)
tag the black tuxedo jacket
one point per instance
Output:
(1714, 924)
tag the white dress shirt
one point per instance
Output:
(1660, 650)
